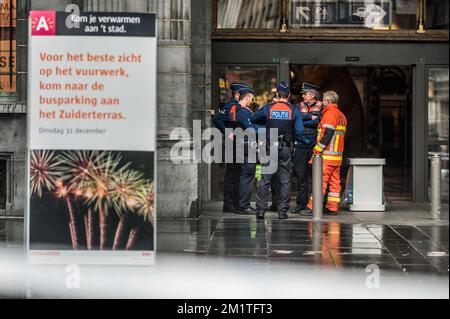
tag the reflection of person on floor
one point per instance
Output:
(330, 144)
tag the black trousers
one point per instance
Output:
(231, 186)
(283, 176)
(302, 171)
(275, 190)
(246, 182)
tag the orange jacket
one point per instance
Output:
(333, 151)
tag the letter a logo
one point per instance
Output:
(43, 22)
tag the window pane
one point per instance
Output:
(438, 87)
(7, 49)
(2, 183)
(248, 14)
(387, 14)
(438, 104)
(263, 79)
(437, 14)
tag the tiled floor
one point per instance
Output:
(403, 240)
(350, 241)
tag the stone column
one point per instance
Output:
(178, 184)
(201, 79)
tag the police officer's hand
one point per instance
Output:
(314, 117)
(231, 136)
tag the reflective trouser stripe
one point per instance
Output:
(331, 179)
(332, 153)
(334, 199)
(333, 158)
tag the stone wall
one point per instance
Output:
(13, 144)
(178, 184)
(201, 79)
(184, 95)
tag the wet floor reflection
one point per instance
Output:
(402, 249)
(331, 245)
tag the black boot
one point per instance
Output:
(306, 212)
(330, 212)
(247, 211)
(283, 216)
(297, 210)
(229, 210)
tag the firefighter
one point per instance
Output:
(240, 117)
(311, 109)
(330, 144)
(288, 120)
(232, 170)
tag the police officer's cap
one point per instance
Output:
(283, 87)
(247, 90)
(236, 86)
(307, 87)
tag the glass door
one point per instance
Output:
(262, 78)
(438, 120)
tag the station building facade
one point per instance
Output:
(388, 60)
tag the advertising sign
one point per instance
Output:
(92, 138)
(335, 13)
(7, 13)
(7, 66)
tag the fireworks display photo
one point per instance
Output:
(91, 200)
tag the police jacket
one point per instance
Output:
(221, 119)
(307, 141)
(240, 117)
(284, 117)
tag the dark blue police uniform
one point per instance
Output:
(240, 117)
(232, 170)
(304, 146)
(288, 121)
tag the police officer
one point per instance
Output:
(274, 183)
(232, 170)
(311, 109)
(221, 118)
(240, 117)
(288, 120)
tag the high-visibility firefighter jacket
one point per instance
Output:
(308, 140)
(331, 134)
(282, 116)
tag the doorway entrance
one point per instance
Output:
(378, 104)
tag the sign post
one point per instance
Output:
(333, 13)
(92, 138)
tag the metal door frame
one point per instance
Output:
(353, 54)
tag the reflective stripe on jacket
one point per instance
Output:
(333, 119)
